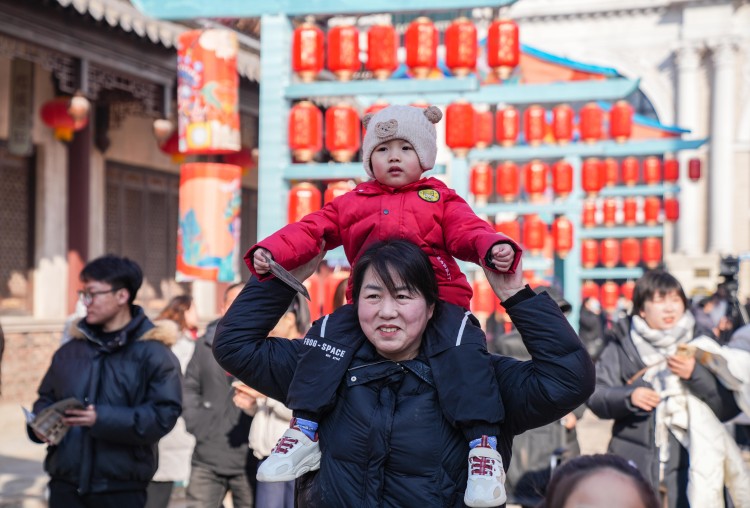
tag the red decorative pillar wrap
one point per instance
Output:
(562, 178)
(630, 171)
(562, 236)
(305, 131)
(507, 181)
(461, 47)
(671, 209)
(626, 289)
(459, 127)
(307, 51)
(609, 252)
(589, 253)
(651, 251)
(629, 211)
(304, 198)
(609, 211)
(483, 121)
(510, 228)
(590, 122)
(611, 171)
(534, 125)
(651, 209)
(621, 121)
(592, 179)
(589, 289)
(481, 182)
(382, 49)
(342, 132)
(562, 123)
(588, 217)
(507, 125)
(535, 179)
(343, 51)
(534, 234)
(421, 41)
(694, 169)
(610, 293)
(503, 47)
(336, 189)
(78, 209)
(652, 170)
(671, 170)
(630, 252)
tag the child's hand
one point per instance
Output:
(259, 260)
(502, 256)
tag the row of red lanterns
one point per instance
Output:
(631, 252)
(306, 198)
(533, 233)
(613, 211)
(608, 293)
(339, 49)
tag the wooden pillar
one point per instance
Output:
(79, 169)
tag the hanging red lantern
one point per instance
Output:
(652, 170)
(651, 252)
(629, 211)
(510, 228)
(314, 287)
(589, 289)
(621, 121)
(651, 209)
(534, 233)
(307, 51)
(562, 123)
(694, 169)
(535, 179)
(609, 211)
(507, 125)
(483, 300)
(342, 132)
(481, 182)
(421, 42)
(503, 47)
(534, 125)
(562, 236)
(305, 130)
(507, 181)
(630, 252)
(589, 253)
(630, 171)
(610, 293)
(626, 289)
(459, 127)
(484, 131)
(611, 170)
(244, 159)
(330, 286)
(382, 51)
(590, 122)
(609, 252)
(588, 218)
(562, 178)
(671, 209)
(171, 147)
(304, 198)
(336, 189)
(592, 179)
(461, 47)
(343, 51)
(54, 114)
(671, 170)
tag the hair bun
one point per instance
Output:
(433, 114)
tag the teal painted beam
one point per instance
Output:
(622, 232)
(555, 93)
(610, 273)
(185, 9)
(640, 190)
(522, 208)
(335, 171)
(374, 87)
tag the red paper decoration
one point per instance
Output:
(651, 209)
(651, 250)
(694, 169)
(483, 300)
(534, 125)
(507, 125)
(671, 209)
(510, 228)
(54, 114)
(562, 178)
(534, 233)
(535, 179)
(588, 218)
(630, 252)
(626, 289)
(507, 181)
(307, 51)
(461, 47)
(590, 122)
(611, 170)
(503, 47)
(609, 252)
(589, 253)
(342, 132)
(459, 127)
(671, 170)
(305, 131)
(382, 51)
(589, 289)
(562, 123)
(610, 293)
(304, 198)
(562, 236)
(652, 170)
(336, 189)
(629, 171)
(421, 40)
(481, 182)
(609, 211)
(483, 122)
(592, 179)
(629, 211)
(343, 51)
(621, 121)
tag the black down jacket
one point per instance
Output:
(386, 441)
(134, 384)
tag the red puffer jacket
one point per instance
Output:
(426, 212)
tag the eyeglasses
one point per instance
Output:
(87, 297)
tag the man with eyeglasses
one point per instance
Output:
(119, 366)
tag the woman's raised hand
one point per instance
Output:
(505, 285)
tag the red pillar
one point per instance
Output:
(79, 170)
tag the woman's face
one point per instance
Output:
(394, 324)
(663, 311)
(605, 488)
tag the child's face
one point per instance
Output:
(395, 163)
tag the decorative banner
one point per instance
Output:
(208, 92)
(209, 222)
(21, 108)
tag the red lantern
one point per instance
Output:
(562, 236)
(343, 51)
(336, 189)
(244, 159)
(562, 123)
(589, 253)
(652, 251)
(304, 198)
(421, 42)
(610, 172)
(626, 290)
(507, 181)
(510, 228)
(534, 125)
(314, 287)
(589, 214)
(671, 170)
(621, 121)
(651, 208)
(609, 292)
(507, 125)
(484, 121)
(630, 252)
(55, 115)
(461, 47)
(481, 182)
(305, 131)
(630, 171)
(171, 147)
(342, 132)
(534, 233)
(589, 289)
(609, 211)
(331, 285)
(671, 209)
(483, 300)
(535, 179)
(629, 211)
(609, 252)
(503, 47)
(592, 179)
(459, 127)
(590, 122)
(652, 170)
(382, 49)
(562, 178)
(694, 169)
(307, 51)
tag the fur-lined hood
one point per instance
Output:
(165, 331)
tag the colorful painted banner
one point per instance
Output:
(208, 235)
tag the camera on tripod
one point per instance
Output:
(729, 270)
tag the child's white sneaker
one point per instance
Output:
(294, 455)
(486, 484)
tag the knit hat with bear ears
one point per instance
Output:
(409, 123)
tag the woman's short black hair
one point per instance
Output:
(118, 272)
(653, 283)
(397, 262)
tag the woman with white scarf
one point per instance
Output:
(667, 406)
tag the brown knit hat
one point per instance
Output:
(409, 123)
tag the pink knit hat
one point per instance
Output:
(409, 123)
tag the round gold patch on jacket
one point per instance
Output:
(429, 195)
